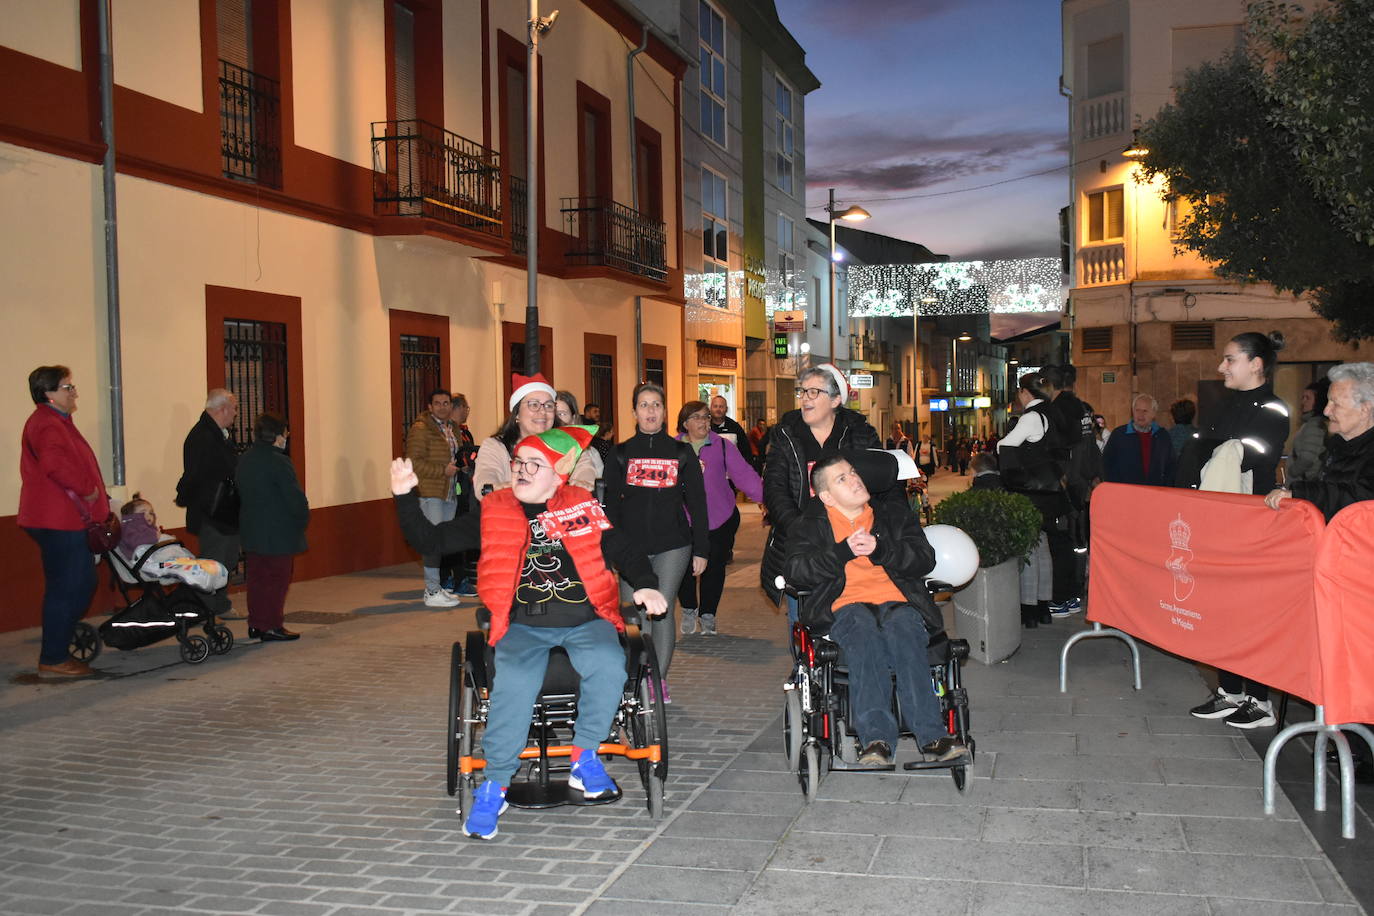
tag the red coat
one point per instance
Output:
(54, 455)
(506, 537)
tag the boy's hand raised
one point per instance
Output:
(654, 604)
(403, 478)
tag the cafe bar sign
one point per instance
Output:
(712, 356)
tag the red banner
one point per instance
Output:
(1215, 577)
(1345, 613)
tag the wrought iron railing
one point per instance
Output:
(257, 370)
(611, 234)
(519, 215)
(420, 169)
(249, 125)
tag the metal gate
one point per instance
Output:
(256, 370)
(419, 375)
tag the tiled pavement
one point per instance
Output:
(307, 779)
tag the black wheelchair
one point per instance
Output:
(639, 730)
(817, 735)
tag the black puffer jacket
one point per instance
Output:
(1256, 417)
(816, 561)
(1346, 476)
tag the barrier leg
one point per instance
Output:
(1322, 734)
(1271, 754)
(1347, 771)
(1097, 631)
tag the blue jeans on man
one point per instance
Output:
(522, 657)
(68, 582)
(437, 511)
(882, 642)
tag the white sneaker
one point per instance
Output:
(689, 621)
(441, 598)
(457, 598)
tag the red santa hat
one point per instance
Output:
(523, 385)
(839, 379)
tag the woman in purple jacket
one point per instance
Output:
(722, 465)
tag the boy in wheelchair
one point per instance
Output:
(545, 576)
(863, 565)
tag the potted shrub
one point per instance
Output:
(1005, 527)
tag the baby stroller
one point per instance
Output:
(155, 609)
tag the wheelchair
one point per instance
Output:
(817, 735)
(639, 730)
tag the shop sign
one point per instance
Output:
(714, 357)
(861, 380)
(793, 321)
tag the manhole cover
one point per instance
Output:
(319, 617)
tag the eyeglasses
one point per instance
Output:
(67, 387)
(811, 394)
(529, 466)
(698, 416)
(540, 405)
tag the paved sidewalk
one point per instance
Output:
(307, 778)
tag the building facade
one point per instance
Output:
(1145, 317)
(321, 206)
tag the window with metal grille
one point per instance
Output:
(1194, 335)
(654, 372)
(419, 375)
(601, 388)
(1096, 340)
(256, 370)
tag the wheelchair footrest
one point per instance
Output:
(960, 761)
(837, 764)
(534, 794)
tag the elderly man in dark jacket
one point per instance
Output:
(863, 565)
(208, 460)
(1140, 451)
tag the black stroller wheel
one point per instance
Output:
(220, 638)
(85, 644)
(195, 650)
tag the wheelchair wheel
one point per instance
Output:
(220, 638)
(810, 772)
(467, 744)
(960, 775)
(195, 650)
(792, 728)
(85, 644)
(454, 723)
(649, 726)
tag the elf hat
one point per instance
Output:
(523, 385)
(562, 446)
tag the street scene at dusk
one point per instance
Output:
(687, 456)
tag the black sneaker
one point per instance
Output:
(942, 749)
(876, 753)
(1222, 705)
(1253, 714)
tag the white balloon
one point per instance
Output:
(956, 556)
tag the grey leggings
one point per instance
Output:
(1037, 576)
(669, 566)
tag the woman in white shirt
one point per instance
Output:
(1035, 476)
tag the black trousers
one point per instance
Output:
(706, 597)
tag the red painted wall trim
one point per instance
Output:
(589, 100)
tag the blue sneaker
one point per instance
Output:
(1066, 608)
(466, 589)
(488, 803)
(590, 776)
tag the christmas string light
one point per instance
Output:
(955, 288)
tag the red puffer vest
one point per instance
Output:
(506, 537)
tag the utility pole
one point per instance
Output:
(537, 27)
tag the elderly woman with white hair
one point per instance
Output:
(1347, 475)
(822, 425)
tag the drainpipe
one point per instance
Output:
(107, 170)
(634, 185)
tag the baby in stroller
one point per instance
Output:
(151, 555)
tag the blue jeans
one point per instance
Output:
(522, 657)
(881, 642)
(436, 511)
(69, 582)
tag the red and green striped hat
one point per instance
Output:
(563, 446)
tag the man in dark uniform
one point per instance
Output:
(209, 459)
(722, 424)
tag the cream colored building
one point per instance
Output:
(1144, 316)
(319, 204)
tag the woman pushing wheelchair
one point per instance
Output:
(545, 575)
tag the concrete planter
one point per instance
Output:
(987, 612)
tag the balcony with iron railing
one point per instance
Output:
(1102, 116)
(249, 125)
(1102, 265)
(608, 234)
(421, 170)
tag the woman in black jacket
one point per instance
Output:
(655, 494)
(819, 427)
(1347, 472)
(1252, 414)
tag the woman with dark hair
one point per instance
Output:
(725, 470)
(60, 488)
(1034, 474)
(273, 514)
(533, 410)
(1183, 412)
(655, 494)
(820, 426)
(1309, 442)
(1253, 416)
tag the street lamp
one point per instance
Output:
(849, 214)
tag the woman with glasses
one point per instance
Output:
(60, 488)
(533, 410)
(655, 494)
(725, 470)
(818, 427)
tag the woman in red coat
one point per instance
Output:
(59, 472)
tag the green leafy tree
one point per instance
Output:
(1227, 147)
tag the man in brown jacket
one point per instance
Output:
(432, 446)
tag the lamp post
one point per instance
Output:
(538, 26)
(849, 214)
